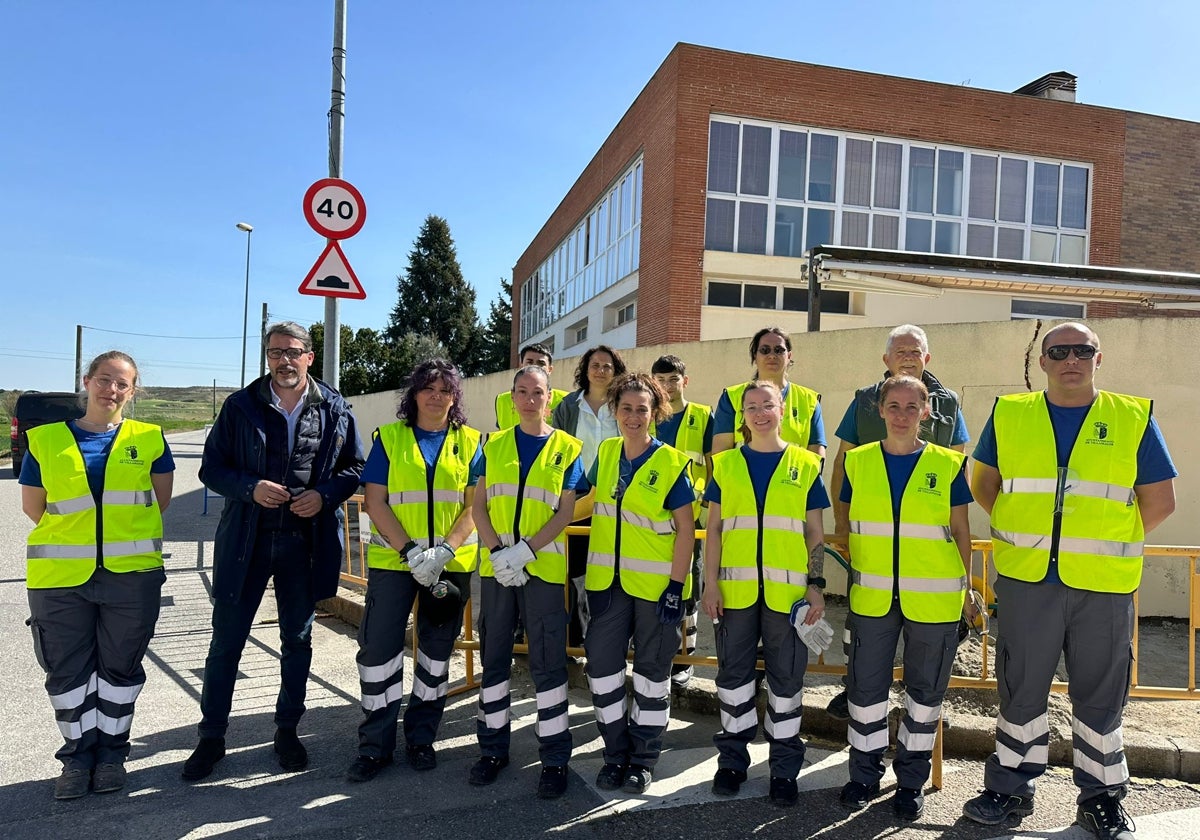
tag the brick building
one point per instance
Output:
(691, 221)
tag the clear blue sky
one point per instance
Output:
(137, 134)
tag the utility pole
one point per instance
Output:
(337, 116)
(214, 400)
(78, 357)
(262, 344)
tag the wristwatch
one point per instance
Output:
(818, 582)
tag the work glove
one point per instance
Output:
(506, 576)
(670, 604)
(515, 557)
(427, 568)
(411, 551)
(818, 636)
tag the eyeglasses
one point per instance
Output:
(767, 350)
(599, 368)
(756, 409)
(293, 353)
(1082, 352)
(104, 382)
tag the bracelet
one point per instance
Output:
(818, 582)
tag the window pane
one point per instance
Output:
(982, 203)
(1045, 194)
(722, 157)
(793, 146)
(886, 232)
(920, 180)
(979, 240)
(752, 228)
(950, 183)
(858, 173)
(789, 225)
(756, 160)
(1010, 244)
(946, 237)
(718, 225)
(820, 228)
(836, 302)
(1046, 309)
(1041, 247)
(795, 299)
(1071, 250)
(1013, 177)
(917, 234)
(823, 168)
(1074, 197)
(888, 160)
(724, 294)
(758, 297)
(854, 229)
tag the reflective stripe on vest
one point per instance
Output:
(647, 529)
(784, 559)
(924, 565)
(1100, 536)
(539, 498)
(415, 506)
(62, 547)
(799, 403)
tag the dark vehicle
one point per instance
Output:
(34, 408)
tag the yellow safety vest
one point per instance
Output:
(799, 403)
(924, 563)
(772, 540)
(689, 439)
(62, 546)
(425, 509)
(506, 412)
(646, 528)
(1100, 538)
(514, 506)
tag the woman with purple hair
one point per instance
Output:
(420, 481)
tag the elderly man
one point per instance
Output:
(285, 454)
(905, 352)
(1074, 478)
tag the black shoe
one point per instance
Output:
(839, 707)
(637, 779)
(1105, 817)
(784, 791)
(200, 763)
(991, 808)
(856, 795)
(487, 769)
(553, 783)
(908, 803)
(610, 777)
(72, 783)
(108, 777)
(365, 768)
(421, 757)
(292, 755)
(727, 781)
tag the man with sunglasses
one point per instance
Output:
(1074, 478)
(285, 454)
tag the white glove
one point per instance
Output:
(818, 636)
(515, 557)
(413, 553)
(427, 568)
(509, 577)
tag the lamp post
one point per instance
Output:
(248, 228)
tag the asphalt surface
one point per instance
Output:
(248, 796)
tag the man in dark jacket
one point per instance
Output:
(285, 454)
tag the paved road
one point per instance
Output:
(249, 797)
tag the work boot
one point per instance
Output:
(72, 783)
(991, 808)
(1105, 817)
(839, 707)
(908, 804)
(200, 763)
(365, 768)
(292, 755)
(108, 777)
(610, 777)
(856, 795)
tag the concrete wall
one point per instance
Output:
(1148, 357)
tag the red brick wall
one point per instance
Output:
(1162, 194)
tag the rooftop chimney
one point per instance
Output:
(1059, 86)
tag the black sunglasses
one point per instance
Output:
(766, 350)
(1083, 352)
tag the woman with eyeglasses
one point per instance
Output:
(95, 488)
(771, 355)
(763, 560)
(585, 413)
(420, 483)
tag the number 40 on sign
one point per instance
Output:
(334, 208)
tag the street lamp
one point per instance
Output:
(246, 303)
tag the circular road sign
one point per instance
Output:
(334, 208)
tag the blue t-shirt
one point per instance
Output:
(899, 471)
(1154, 462)
(762, 466)
(724, 415)
(681, 493)
(529, 447)
(847, 430)
(430, 443)
(668, 430)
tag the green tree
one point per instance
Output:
(434, 300)
(495, 345)
(370, 363)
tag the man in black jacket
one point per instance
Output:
(285, 454)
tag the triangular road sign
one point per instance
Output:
(332, 276)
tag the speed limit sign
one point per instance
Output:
(334, 208)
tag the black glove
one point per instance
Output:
(670, 604)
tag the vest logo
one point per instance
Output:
(795, 413)
(929, 484)
(557, 460)
(131, 456)
(691, 421)
(650, 481)
(1099, 434)
(793, 474)
(793, 478)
